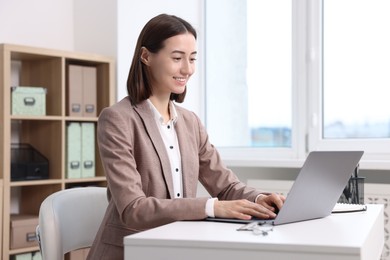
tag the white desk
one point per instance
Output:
(339, 236)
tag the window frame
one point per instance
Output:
(377, 151)
(307, 83)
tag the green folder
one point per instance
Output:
(87, 150)
(73, 150)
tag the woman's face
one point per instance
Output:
(171, 67)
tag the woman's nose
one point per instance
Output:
(188, 67)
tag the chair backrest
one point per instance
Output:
(69, 220)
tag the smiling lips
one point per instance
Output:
(181, 80)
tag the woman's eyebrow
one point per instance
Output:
(182, 52)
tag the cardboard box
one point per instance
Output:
(82, 91)
(28, 101)
(75, 90)
(89, 91)
(23, 231)
(79, 254)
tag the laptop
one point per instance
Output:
(316, 190)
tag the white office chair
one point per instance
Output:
(69, 220)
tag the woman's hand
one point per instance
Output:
(272, 201)
(264, 208)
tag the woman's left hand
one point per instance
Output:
(272, 201)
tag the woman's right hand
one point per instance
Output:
(241, 209)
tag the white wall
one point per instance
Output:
(39, 23)
(80, 25)
(133, 15)
(95, 26)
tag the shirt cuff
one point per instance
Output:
(210, 207)
(260, 195)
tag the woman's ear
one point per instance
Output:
(145, 55)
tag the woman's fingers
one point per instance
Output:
(242, 209)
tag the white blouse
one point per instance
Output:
(168, 134)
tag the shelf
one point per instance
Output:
(80, 119)
(35, 182)
(39, 67)
(85, 180)
(43, 118)
(23, 250)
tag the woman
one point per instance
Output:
(154, 152)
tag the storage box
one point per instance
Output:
(27, 163)
(23, 231)
(88, 150)
(73, 150)
(36, 255)
(28, 101)
(25, 256)
(79, 254)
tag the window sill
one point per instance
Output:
(297, 163)
(267, 163)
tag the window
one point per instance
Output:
(356, 69)
(269, 73)
(287, 77)
(248, 73)
(354, 81)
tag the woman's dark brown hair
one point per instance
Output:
(152, 37)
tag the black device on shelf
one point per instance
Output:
(27, 163)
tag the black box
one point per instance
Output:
(27, 163)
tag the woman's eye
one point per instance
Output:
(176, 58)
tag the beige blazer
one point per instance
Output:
(140, 187)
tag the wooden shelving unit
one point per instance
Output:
(45, 68)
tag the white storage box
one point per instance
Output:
(29, 101)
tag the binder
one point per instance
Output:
(73, 150)
(89, 91)
(87, 150)
(82, 88)
(75, 90)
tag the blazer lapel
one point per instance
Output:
(147, 116)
